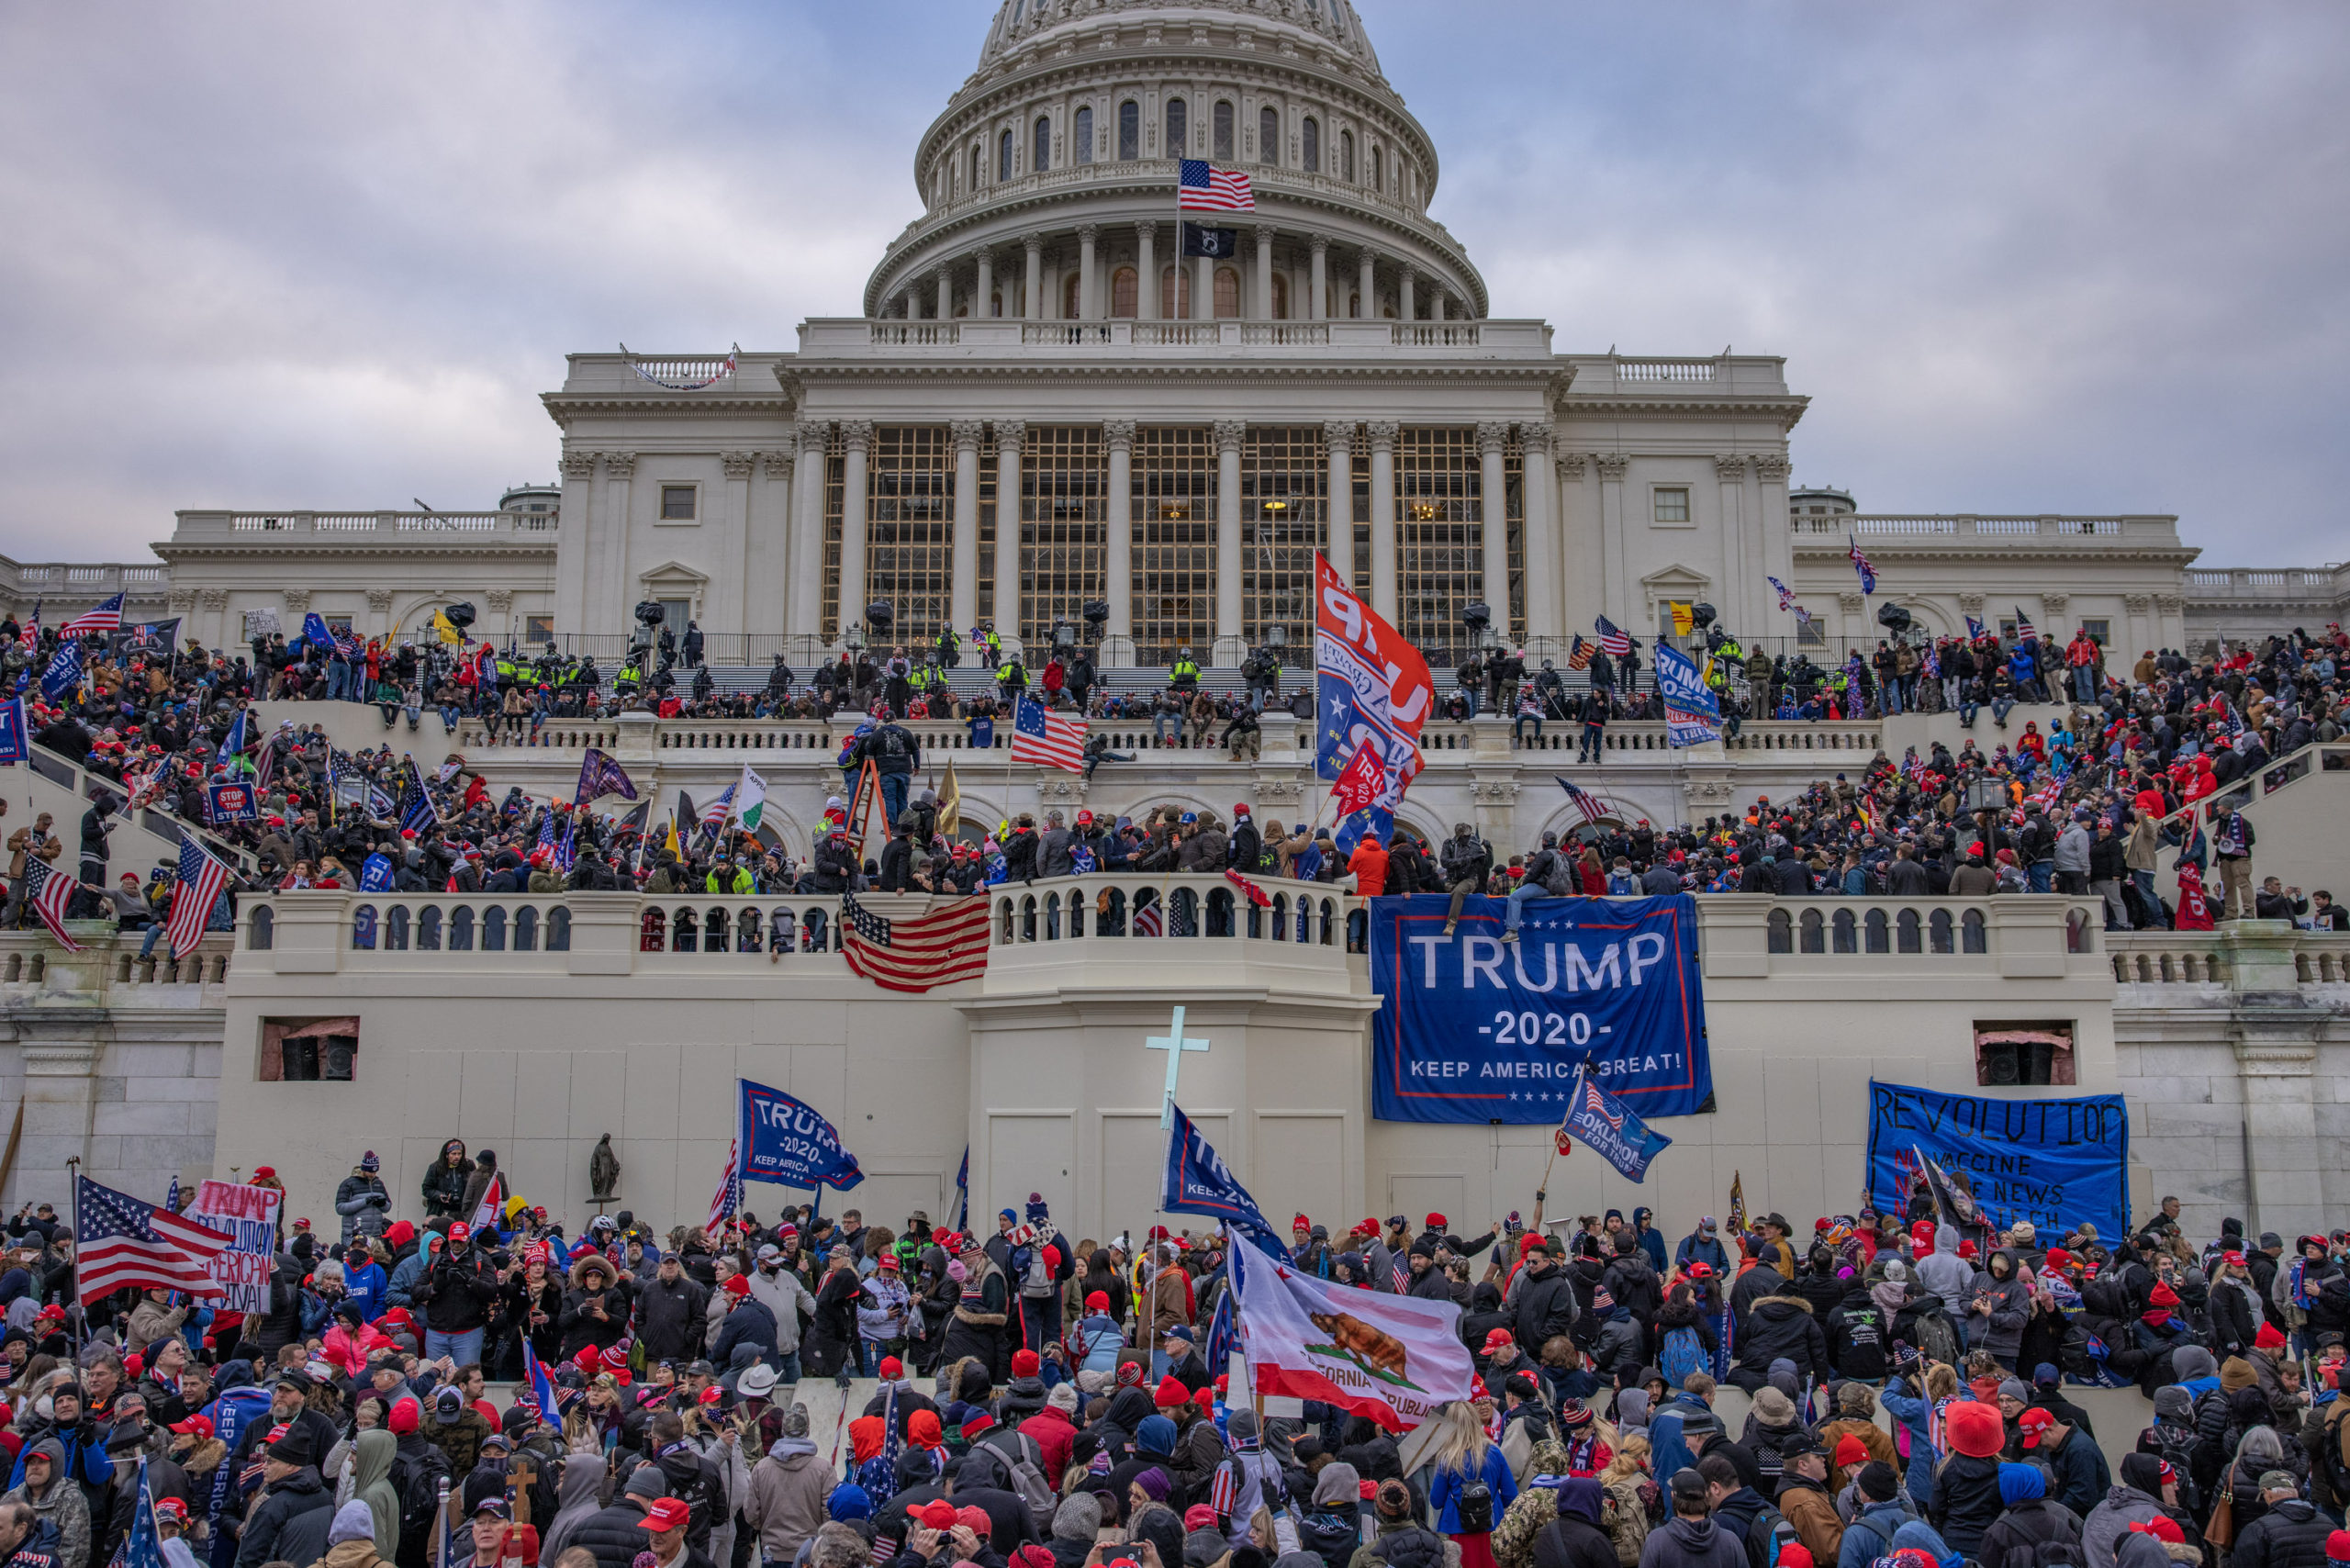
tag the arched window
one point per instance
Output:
(1972, 937)
(1041, 158)
(1125, 300)
(995, 304)
(1814, 937)
(1068, 295)
(1227, 293)
(1080, 140)
(1129, 131)
(1781, 931)
(1378, 169)
(1269, 136)
(978, 167)
(1938, 925)
(1311, 134)
(1847, 932)
(1347, 156)
(461, 930)
(1281, 298)
(1908, 933)
(1223, 131)
(1179, 128)
(1003, 157)
(1878, 940)
(1174, 294)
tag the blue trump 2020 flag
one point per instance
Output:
(64, 671)
(1198, 1181)
(785, 1141)
(16, 733)
(1606, 1125)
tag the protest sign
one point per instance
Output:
(248, 1214)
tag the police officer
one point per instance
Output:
(1183, 675)
(1011, 678)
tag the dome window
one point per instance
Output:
(1080, 141)
(1269, 136)
(1129, 131)
(1043, 160)
(1347, 156)
(1179, 128)
(1378, 169)
(1003, 157)
(1223, 131)
(1312, 134)
(1124, 301)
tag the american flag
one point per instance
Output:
(2024, 624)
(1150, 921)
(729, 1196)
(1206, 189)
(49, 891)
(1580, 656)
(947, 942)
(201, 878)
(1862, 565)
(119, 1240)
(1583, 801)
(416, 806)
(1053, 740)
(29, 632)
(105, 616)
(1613, 639)
(142, 1548)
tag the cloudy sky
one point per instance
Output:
(2023, 258)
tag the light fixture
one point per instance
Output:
(1277, 506)
(1277, 635)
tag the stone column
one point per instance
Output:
(962, 563)
(1774, 532)
(1146, 272)
(765, 566)
(805, 565)
(1204, 289)
(1492, 505)
(857, 437)
(1541, 543)
(1320, 306)
(2170, 621)
(984, 305)
(1406, 306)
(1033, 302)
(1264, 306)
(1118, 519)
(618, 589)
(573, 606)
(725, 606)
(1008, 436)
(1231, 635)
(1614, 582)
(1383, 516)
(1086, 234)
(1579, 552)
(2139, 605)
(1367, 274)
(946, 279)
(1338, 443)
(1740, 572)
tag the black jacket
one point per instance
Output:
(457, 1290)
(1566, 1542)
(300, 1493)
(669, 1316)
(1784, 1325)
(2290, 1535)
(615, 1534)
(1967, 1499)
(2010, 1542)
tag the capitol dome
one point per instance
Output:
(1048, 184)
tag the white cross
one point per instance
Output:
(1174, 1045)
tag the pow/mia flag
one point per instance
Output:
(1201, 240)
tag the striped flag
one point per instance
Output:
(2024, 624)
(1975, 629)
(492, 1208)
(535, 1373)
(1049, 740)
(729, 1196)
(946, 942)
(1150, 921)
(28, 634)
(49, 891)
(1206, 189)
(121, 1240)
(1862, 565)
(1613, 639)
(201, 878)
(1583, 801)
(104, 616)
(416, 812)
(1579, 657)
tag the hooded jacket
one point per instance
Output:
(1692, 1543)
(2001, 1330)
(1946, 1274)
(583, 1475)
(1784, 1327)
(785, 1504)
(61, 1503)
(300, 1493)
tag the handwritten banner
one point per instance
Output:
(248, 1214)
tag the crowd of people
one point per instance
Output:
(1910, 1385)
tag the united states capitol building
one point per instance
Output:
(1042, 403)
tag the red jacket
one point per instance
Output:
(1054, 1437)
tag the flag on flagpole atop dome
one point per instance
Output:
(1202, 187)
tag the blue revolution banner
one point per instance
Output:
(1691, 715)
(1607, 1126)
(1473, 1029)
(786, 1142)
(1198, 1181)
(2058, 1163)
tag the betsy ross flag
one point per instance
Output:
(1202, 187)
(729, 1196)
(1613, 639)
(121, 1240)
(49, 891)
(104, 616)
(947, 942)
(202, 875)
(1862, 565)
(1050, 740)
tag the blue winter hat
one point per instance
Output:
(1154, 1434)
(849, 1501)
(2020, 1482)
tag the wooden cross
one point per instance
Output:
(1174, 1045)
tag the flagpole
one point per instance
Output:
(73, 1176)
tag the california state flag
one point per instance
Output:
(492, 1208)
(1396, 1359)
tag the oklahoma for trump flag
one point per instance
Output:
(1397, 1359)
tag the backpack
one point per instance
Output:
(2178, 1446)
(1770, 1534)
(1683, 1354)
(1473, 1507)
(1937, 1341)
(416, 1480)
(1027, 1468)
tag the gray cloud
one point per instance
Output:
(275, 254)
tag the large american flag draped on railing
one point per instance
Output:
(946, 942)
(121, 1240)
(202, 877)
(1048, 739)
(1203, 187)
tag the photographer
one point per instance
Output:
(458, 1291)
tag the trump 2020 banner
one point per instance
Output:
(1372, 696)
(2058, 1163)
(1198, 1181)
(1691, 715)
(1474, 1029)
(1397, 1359)
(786, 1142)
